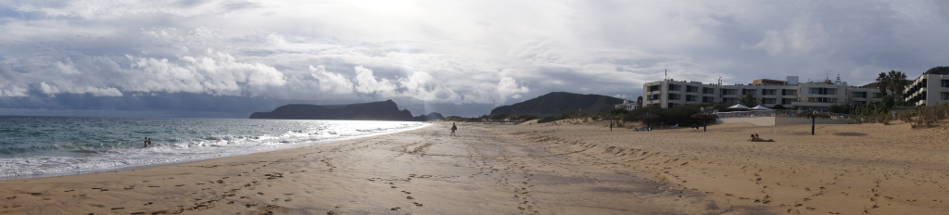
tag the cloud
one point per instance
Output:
(367, 83)
(52, 90)
(509, 89)
(476, 53)
(420, 86)
(800, 38)
(13, 91)
(215, 73)
(331, 82)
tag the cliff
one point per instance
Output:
(430, 117)
(557, 103)
(384, 110)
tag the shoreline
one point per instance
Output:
(185, 161)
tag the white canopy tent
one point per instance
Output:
(738, 107)
(760, 107)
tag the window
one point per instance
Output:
(822, 100)
(692, 89)
(769, 92)
(690, 98)
(747, 91)
(787, 101)
(653, 88)
(823, 91)
(945, 83)
(730, 100)
(673, 96)
(945, 96)
(729, 91)
(708, 99)
(653, 97)
(769, 101)
(860, 94)
(706, 90)
(787, 92)
(674, 87)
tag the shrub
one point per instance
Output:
(681, 115)
(548, 119)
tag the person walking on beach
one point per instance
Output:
(453, 128)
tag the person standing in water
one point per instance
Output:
(453, 128)
(148, 142)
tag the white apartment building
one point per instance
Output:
(789, 93)
(626, 105)
(930, 89)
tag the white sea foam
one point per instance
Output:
(193, 150)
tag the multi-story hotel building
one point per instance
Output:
(930, 89)
(788, 94)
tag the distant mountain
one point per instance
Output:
(429, 117)
(384, 110)
(874, 84)
(557, 103)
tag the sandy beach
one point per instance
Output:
(535, 169)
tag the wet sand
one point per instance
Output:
(487, 169)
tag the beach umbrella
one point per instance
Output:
(738, 107)
(760, 107)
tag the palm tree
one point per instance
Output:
(898, 83)
(883, 81)
(893, 81)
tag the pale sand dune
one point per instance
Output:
(535, 169)
(485, 170)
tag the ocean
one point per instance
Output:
(52, 146)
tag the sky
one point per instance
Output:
(232, 57)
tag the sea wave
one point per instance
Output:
(65, 159)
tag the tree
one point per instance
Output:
(892, 83)
(898, 83)
(882, 80)
(748, 100)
